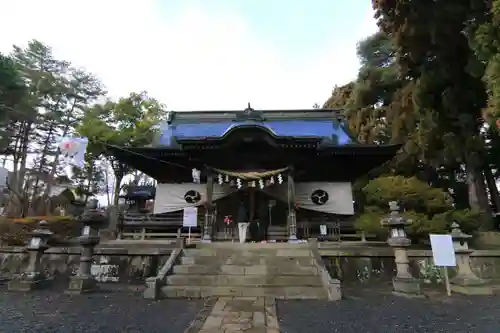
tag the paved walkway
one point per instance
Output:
(250, 315)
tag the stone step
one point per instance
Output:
(268, 245)
(247, 260)
(244, 280)
(249, 252)
(283, 269)
(230, 291)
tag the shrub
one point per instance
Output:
(422, 225)
(16, 232)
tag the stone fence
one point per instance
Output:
(133, 263)
(365, 264)
(126, 263)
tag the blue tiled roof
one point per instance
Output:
(325, 128)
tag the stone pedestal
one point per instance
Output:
(404, 284)
(81, 285)
(465, 282)
(292, 228)
(83, 281)
(34, 277)
(27, 282)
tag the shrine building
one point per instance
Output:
(293, 168)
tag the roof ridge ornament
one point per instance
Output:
(250, 114)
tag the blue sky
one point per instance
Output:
(201, 54)
(295, 26)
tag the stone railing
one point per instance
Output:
(331, 285)
(154, 284)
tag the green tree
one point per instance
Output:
(57, 95)
(433, 50)
(430, 208)
(129, 122)
(12, 93)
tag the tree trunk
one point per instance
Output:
(48, 188)
(493, 189)
(106, 179)
(478, 199)
(18, 204)
(116, 190)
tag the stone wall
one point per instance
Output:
(377, 264)
(126, 265)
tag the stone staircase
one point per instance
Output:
(285, 271)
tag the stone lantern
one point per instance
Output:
(83, 281)
(465, 282)
(34, 276)
(403, 283)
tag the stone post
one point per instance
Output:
(209, 220)
(83, 281)
(292, 216)
(34, 276)
(465, 282)
(403, 283)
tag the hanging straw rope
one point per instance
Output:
(251, 175)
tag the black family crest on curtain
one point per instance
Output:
(320, 197)
(192, 196)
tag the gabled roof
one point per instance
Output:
(325, 125)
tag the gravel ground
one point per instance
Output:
(387, 314)
(124, 311)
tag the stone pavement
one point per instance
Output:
(250, 315)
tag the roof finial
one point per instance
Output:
(249, 109)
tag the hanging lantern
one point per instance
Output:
(238, 183)
(220, 179)
(227, 179)
(280, 178)
(261, 183)
(271, 180)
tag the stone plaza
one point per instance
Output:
(122, 311)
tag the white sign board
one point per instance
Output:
(190, 218)
(322, 230)
(86, 231)
(443, 252)
(4, 173)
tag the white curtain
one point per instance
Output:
(340, 200)
(170, 197)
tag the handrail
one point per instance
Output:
(154, 283)
(332, 286)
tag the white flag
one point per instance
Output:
(74, 149)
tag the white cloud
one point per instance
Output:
(195, 61)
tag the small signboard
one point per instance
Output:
(190, 218)
(443, 252)
(86, 231)
(322, 230)
(4, 173)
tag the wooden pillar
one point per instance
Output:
(292, 219)
(207, 232)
